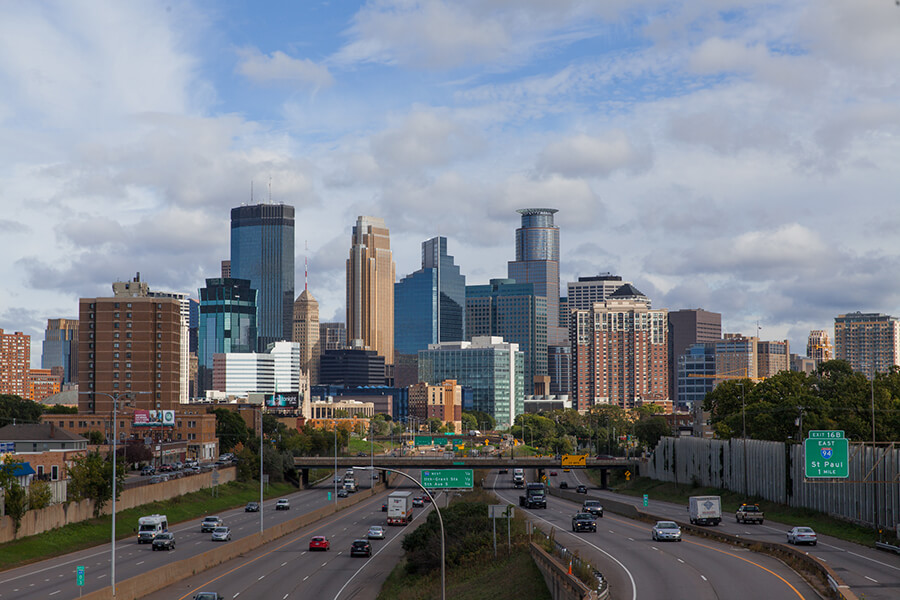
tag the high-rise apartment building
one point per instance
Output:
(262, 251)
(870, 342)
(275, 371)
(582, 294)
(819, 347)
(442, 401)
(619, 351)
(493, 369)
(515, 312)
(184, 302)
(332, 336)
(537, 262)
(15, 362)
(736, 357)
(60, 347)
(429, 305)
(559, 367)
(306, 333)
(687, 327)
(772, 358)
(227, 324)
(370, 288)
(129, 344)
(41, 383)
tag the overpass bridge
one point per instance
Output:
(305, 463)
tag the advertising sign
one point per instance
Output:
(154, 418)
(141, 417)
(283, 400)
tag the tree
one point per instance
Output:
(59, 409)
(16, 504)
(230, 429)
(650, 429)
(95, 438)
(16, 409)
(434, 425)
(136, 451)
(90, 476)
(469, 421)
(482, 420)
(39, 495)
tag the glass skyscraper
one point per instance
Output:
(227, 323)
(60, 348)
(262, 251)
(429, 305)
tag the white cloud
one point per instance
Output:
(278, 67)
(587, 156)
(425, 138)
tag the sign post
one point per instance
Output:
(646, 500)
(79, 578)
(826, 455)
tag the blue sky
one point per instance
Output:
(734, 155)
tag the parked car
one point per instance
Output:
(666, 531)
(584, 521)
(342, 493)
(163, 541)
(360, 548)
(801, 535)
(210, 523)
(283, 504)
(376, 532)
(146, 471)
(252, 507)
(319, 542)
(221, 534)
(563, 485)
(581, 489)
(418, 502)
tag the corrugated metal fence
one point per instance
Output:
(775, 471)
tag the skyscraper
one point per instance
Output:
(870, 342)
(772, 358)
(227, 323)
(429, 305)
(537, 262)
(332, 336)
(688, 327)
(15, 362)
(306, 333)
(515, 312)
(262, 251)
(819, 346)
(60, 348)
(370, 288)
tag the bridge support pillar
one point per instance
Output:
(604, 479)
(304, 479)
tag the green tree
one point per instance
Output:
(434, 425)
(90, 476)
(650, 429)
(95, 438)
(16, 504)
(39, 495)
(18, 410)
(59, 409)
(469, 422)
(230, 429)
(248, 464)
(482, 420)
(7, 471)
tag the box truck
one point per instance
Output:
(705, 510)
(399, 509)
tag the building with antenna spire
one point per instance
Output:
(306, 330)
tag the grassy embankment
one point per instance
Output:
(93, 532)
(678, 494)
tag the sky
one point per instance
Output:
(736, 156)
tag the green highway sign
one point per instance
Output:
(437, 442)
(423, 440)
(827, 456)
(828, 435)
(79, 574)
(646, 500)
(448, 478)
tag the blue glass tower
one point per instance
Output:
(227, 323)
(429, 305)
(262, 251)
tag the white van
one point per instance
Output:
(151, 526)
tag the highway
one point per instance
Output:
(637, 567)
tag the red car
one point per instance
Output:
(319, 542)
(553, 473)
(426, 498)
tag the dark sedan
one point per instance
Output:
(164, 541)
(252, 507)
(360, 548)
(581, 489)
(584, 522)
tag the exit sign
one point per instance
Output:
(447, 478)
(826, 454)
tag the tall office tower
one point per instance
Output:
(306, 333)
(227, 324)
(559, 367)
(15, 361)
(619, 351)
(695, 375)
(60, 348)
(193, 324)
(564, 313)
(129, 344)
(262, 250)
(687, 327)
(537, 262)
(429, 305)
(803, 364)
(351, 367)
(370, 289)
(819, 346)
(736, 357)
(515, 312)
(287, 363)
(870, 342)
(332, 336)
(492, 368)
(772, 358)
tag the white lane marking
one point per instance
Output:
(870, 579)
(703, 578)
(236, 595)
(611, 531)
(261, 577)
(305, 578)
(282, 564)
(654, 547)
(285, 596)
(630, 539)
(873, 560)
(681, 561)
(56, 592)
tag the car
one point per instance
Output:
(581, 489)
(178, 465)
(166, 468)
(252, 507)
(210, 523)
(594, 507)
(146, 471)
(801, 535)
(605, 457)
(563, 485)
(208, 596)
(342, 493)
(417, 501)
(360, 548)
(666, 531)
(567, 470)
(384, 507)
(376, 532)
(163, 541)
(338, 480)
(283, 504)
(553, 473)
(503, 471)
(319, 542)
(584, 521)
(426, 498)
(221, 534)
(361, 454)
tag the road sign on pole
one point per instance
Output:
(827, 455)
(448, 478)
(646, 500)
(79, 575)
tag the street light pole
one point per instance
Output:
(260, 470)
(874, 472)
(334, 428)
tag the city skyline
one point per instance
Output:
(708, 156)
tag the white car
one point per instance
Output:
(666, 530)
(801, 535)
(376, 532)
(283, 504)
(221, 534)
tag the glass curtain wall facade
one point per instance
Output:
(227, 323)
(695, 375)
(262, 251)
(60, 347)
(429, 305)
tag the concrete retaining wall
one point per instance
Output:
(562, 586)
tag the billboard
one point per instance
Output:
(283, 400)
(154, 418)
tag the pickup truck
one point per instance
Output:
(749, 513)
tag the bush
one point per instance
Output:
(39, 495)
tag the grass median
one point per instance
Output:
(94, 532)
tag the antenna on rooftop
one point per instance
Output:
(270, 189)
(251, 191)
(306, 267)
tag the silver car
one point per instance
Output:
(801, 535)
(376, 532)
(221, 534)
(666, 531)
